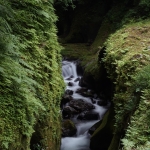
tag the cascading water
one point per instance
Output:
(81, 141)
(69, 68)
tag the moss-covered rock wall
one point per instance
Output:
(30, 76)
(127, 63)
(125, 58)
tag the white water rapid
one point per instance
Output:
(81, 141)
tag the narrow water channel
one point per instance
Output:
(81, 140)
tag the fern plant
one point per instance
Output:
(31, 84)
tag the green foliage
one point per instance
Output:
(145, 4)
(30, 73)
(65, 3)
(127, 64)
(138, 132)
(142, 79)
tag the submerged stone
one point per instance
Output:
(70, 84)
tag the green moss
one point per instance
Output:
(31, 84)
(68, 124)
(137, 135)
(124, 58)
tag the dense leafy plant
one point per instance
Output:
(138, 133)
(30, 76)
(142, 79)
(125, 61)
(144, 3)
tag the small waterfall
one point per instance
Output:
(69, 69)
(81, 141)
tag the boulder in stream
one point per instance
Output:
(85, 92)
(82, 82)
(68, 128)
(69, 112)
(66, 98)
(88, 116)
(77, 79)
(81, 105)
(70, 84)
(68, 92)
(94, 127)
(70, 78)
(93, 100)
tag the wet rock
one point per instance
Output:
(104, 133)
(94, 127)
(66, 98)
(81, 90)
(102, 103)
(93, 101)
(68, 92)
(77, 79)
(87, 94)
(82, 82)
(88, 116)
(70, 78)
(68, 128)
(70, 84)
(68, 112)
(95, 96)
(81, 105)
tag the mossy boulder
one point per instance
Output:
(68, 128)
(81, 105)
(127, 63)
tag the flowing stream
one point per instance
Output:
(81, 141)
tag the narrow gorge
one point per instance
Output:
(74, 75)
(110, 39)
